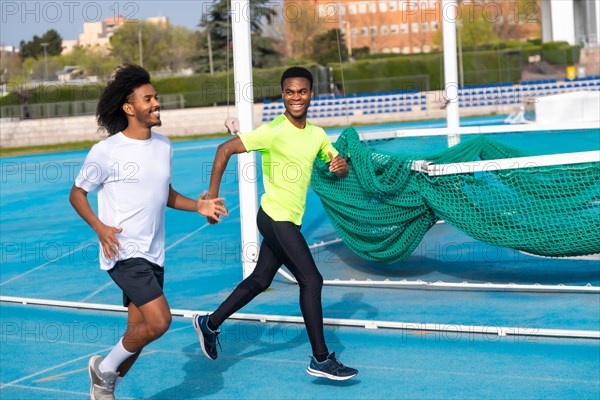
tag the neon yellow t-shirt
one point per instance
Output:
(288, 154)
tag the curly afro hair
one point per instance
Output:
(109, 113)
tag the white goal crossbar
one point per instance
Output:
(440, 285)
(473, 130)
(470, 167)
(455, 329)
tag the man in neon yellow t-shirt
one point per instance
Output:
(289, 145)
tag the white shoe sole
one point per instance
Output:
(320, 374)
(90, 366)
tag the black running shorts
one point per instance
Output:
(141, 280)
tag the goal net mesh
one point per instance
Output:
(384, 208)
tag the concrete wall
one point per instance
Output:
(182, 122)
(195, 121)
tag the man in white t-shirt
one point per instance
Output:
(131, 170)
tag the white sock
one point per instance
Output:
(115, 358)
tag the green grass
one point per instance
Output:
(84, 145)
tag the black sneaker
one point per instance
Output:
(330, 369)
(209, 339)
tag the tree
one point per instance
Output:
(264, 54)
(34, 48)
(164, 47)
(11, 67)
(521, 19)
(327, 48)
(301, 27)
(478, 32)
(475, 28)
(93, 60)
(216, 24)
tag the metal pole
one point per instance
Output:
(244, 99)
(449, 13)
(349, 39)
(210, 54)
(140, 44)
(44, 45)
(460, 54)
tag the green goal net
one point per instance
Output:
(488, 190)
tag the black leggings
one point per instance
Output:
(282, 244)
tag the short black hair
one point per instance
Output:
(109, 113)
(297, 72)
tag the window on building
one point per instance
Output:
(414, 27)
(432, 3)
(394, 29)
(424, 4)
(386, 51)
(411, 6)
(416, 49)
(434, 26)
(364, 31)
(372, 7)
(342, 9)
(322, 11)
(404, 28)
(362, 8)
(406, 50)
(352, 9)
(425, 27)
(426, 48)
(393, 5)
(354, 32)
(373, 30)
(385, 29)
(396, 50)
(383, 6)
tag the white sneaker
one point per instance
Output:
(102, 384)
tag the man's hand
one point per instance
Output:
(108, 241)
(212, 209)
(338, 165)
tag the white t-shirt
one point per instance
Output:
(132, 177)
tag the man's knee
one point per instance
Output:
(314, 282)
(256, 283)
(158, 326)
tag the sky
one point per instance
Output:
(22, 19)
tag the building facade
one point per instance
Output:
(95, 34)
(573, 21)
(404, 26)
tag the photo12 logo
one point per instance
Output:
(66, 11)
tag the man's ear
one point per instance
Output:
(128, 109)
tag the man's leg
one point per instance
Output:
(134, 317)
(149, 317)
(289, 246)
(147, 324)
(207, 326)
(257, 282)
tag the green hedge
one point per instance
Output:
(373, 74)
(560, 53)
(55, 93)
